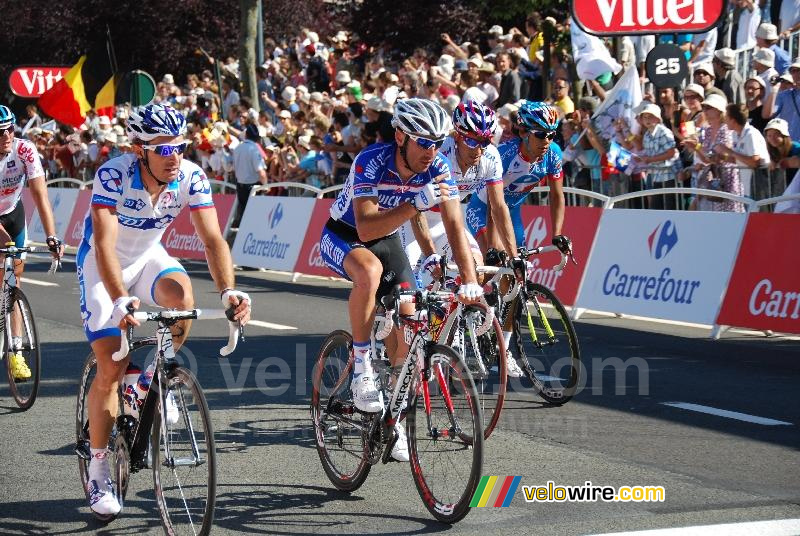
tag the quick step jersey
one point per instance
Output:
(118, 184)
(374, 174)
(21, 164)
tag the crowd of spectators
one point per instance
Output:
(320, 100)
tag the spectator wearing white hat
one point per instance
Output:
(289, 96)
(749, 153)
(727, 78)
(704, 76)
(785, 104)
(493, 39)
(755, 91)
(767, 37)
(763, 63)
(659, 155)
(785, 155)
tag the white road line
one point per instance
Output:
(777, 527)
(39, 283)
(727, 414)
(269, 325)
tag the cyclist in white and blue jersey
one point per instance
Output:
(527, 161)
(389, 184)
(134, 198)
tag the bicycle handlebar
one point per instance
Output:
(235, 331)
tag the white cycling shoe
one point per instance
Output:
(102, 499)
(400, 448)
(365, 394)
(513, 369)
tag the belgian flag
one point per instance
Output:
(89, 84)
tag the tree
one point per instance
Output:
(247, 48)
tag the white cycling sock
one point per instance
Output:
(507, 339)
(361, 356)
(16, 343)
(98, 466)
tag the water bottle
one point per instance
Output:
(130, 394)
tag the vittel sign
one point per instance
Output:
(625, 17)
(32, 82)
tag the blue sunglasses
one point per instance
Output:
(166, 149)
(473, 143)
(425, 143)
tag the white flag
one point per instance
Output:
(619, 102)
(591, 56)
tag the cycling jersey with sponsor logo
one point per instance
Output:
(118, 184)
(489, 169)
(21, 164)
(521, 176)
(374, 174)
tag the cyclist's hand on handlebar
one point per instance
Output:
(56, 247)
(563, 243)
(470, 293)
(241, 301)
(123, 307)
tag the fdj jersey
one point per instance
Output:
(521, 176)
(374, 174)
(118, 184)
(21, 164)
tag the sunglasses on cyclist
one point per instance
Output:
(425, 143)
(6, 130)
(167, 149)
(542, 134)
(474, 143)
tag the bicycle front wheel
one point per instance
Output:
(184, 459)
(339, 430)
(445, 435)
(485, 358)
(21, 350)
(547, 347)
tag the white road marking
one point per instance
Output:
(39, 283)
(727, 414)
(269, 325)
(777, 527)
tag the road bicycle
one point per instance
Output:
(22, 340)
(544, 342)
(179, 448)
(435, 394)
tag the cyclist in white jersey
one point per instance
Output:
(134, 198)
(388, 184)
(20, 163)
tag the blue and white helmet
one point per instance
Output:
(7, 117)
(421, 117)
(153, 120)
(471, 117)
(537, 116)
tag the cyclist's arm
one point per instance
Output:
(372, 223)
(501, 218)
(453, 221)
(220, 264)
(556, 200)
(422, 234)
(104, 226)
(39, 193)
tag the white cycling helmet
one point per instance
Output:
(421, 117)
(153, 120)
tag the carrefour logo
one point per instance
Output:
(535, 233)
(275, 215)
(662, 239)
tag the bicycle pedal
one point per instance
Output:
(82, 450)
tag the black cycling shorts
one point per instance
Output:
(338, 239)
(15, 225)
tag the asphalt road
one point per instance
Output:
(715, 468)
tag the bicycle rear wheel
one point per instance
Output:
(547, 347)
(23, 389)
(490, 373)
(445, 435)
(342, 445)
(184, 458)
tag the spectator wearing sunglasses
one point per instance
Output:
(561, 99)
(389, 183)
(20, 165)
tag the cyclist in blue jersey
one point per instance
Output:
(134, 198)
(389, 183)
(20, 165)
(527, 161)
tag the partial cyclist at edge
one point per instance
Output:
(388, 184)
(21, 165)
(121, 262)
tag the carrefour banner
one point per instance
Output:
(662, 264)
(271, 232)
(764, 292)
